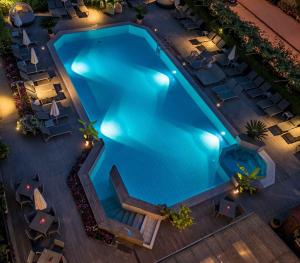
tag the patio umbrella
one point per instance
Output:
(64, 1)
(54, 111)
(39, 201)
(34, 60)
(26, 40)
(231, 55)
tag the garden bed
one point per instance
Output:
(83, 206)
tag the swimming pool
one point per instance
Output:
(157, 130)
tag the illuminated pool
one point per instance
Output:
(158, 131)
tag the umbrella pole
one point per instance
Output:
(35, 67)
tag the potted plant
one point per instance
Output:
(90, 134)
(140, 13)
(4, 150)
(256, 130)
(181, 219)
(247, 182)
(28, 124)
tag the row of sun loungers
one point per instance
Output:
(59, 9)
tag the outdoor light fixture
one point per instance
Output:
(155, 29)
(42, 48)
(174, 72)
(18, 127)
(218, 105)
(223, 133)
(183, 64)
(235, 191)
(87, 144)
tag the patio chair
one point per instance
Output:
(32, 257)
(292, 136)
(229, 85)
(255, 83)
(204, 38)
(184, 14)
(54, 229)
(33, 235)
(51, 132)
(194, 26)
(57, 246)
(277, 108)
(35, 77)
(23, 200)
(230, 94)
(179, 9)
(236, 70)
(288, 125)
(210, 76)
(45, 114)
(40, 92)
(28, 217)
(266, 103)
(262, 90)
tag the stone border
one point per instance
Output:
(120, 230)
(81, 111)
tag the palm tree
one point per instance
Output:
(256, 130)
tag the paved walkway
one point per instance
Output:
(275, 24)
(54, 160)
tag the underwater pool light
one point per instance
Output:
(80, 67)
(210, 140)
(161, 79)
(110, 129)
(223, 133)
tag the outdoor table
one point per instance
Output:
(50, 256)
(41, 222)
(26, 188)
(228, 208)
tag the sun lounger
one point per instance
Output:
(262, 90)
(184, 14)
(70, 9)
(194, 26)
(51, 132)
(29, 68)
(236, 70)
(230, 94)
(254, 84)
(248, 78)
(288, 125)
(40, 92)
(42, 115)
(211, 46)
(293, 135)
(20, 54)
(278, 108)
(229, 85)
(82, 8)
(180, 9)
(266, 103)
(202, 39)
(35, 77)
(211, 75)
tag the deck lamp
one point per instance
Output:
(18, 127)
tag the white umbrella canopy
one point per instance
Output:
(34, 59)
(17, 20)
(39, 201)
(231, 55)
(54, 111)
(26, 40)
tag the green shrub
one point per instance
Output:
(5, 38)
(181, 219)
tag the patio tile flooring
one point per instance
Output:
(54, 160)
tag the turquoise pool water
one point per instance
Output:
(158, 131)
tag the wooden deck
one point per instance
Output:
(54, 160)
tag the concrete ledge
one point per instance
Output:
(130, 203)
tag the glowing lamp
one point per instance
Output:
(235, 191)
(174, 72)
(223, 133)
(80, 67)
(210, 140)
(162, 79)
(110, 129)
(218, 105)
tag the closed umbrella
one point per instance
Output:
(231, 55)
(39, 201)
(26, 40)
(34, 59)
(64, 1)
(54, 111)
(17, 20)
